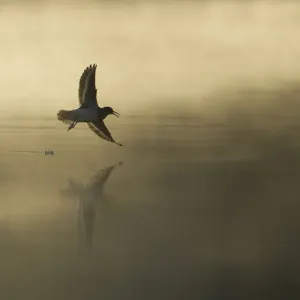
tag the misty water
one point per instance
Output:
(201, 202)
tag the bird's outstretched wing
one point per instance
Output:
(87, 92)
(101, 130)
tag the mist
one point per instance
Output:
(144, 51)
(205, 203)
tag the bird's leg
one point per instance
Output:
(72, 125)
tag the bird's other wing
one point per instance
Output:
(100, 129)
(87, 92)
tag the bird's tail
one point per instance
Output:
(65, 116)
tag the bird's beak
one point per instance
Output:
(116, 114)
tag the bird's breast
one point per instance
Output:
(101, 114)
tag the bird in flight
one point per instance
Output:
(89, 112)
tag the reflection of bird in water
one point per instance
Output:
(87, 195)
(89, 111)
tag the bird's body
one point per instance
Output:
(81, 115)
(89, 112)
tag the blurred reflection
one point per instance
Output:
(87, 197)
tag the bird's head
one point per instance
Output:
(109, 111)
